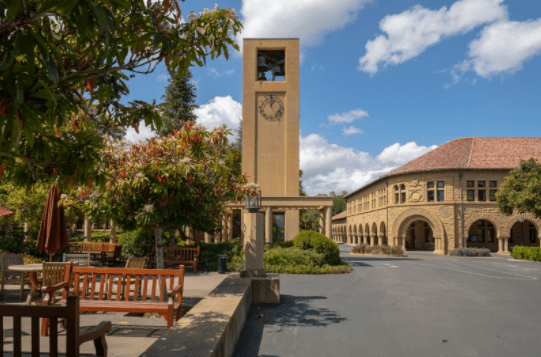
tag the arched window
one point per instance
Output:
(533, 233)
(485, 231)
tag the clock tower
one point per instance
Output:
(270, 121)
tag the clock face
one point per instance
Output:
(271, 108)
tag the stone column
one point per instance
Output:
(505, 244)
(500, 245)
(207, 237)
(112, 236)
(291, 224)
(328, 221)
(403, 243)
(380, 240)
(268, 225)
(88, 230)
(322, 221)
(253, 246)
(372, 239)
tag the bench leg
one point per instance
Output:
(101, 346)
(194, 267)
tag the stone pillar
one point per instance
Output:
(372, 239)
(88, 230)
(328, 221)
(380, 240)
(112, 236)
(268, 225)
(321, 221)
(207, 237)
(253, 245)
(404, 243)
(505, 244)
(291, 224)
(500, 245)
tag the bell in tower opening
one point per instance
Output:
(271, 65)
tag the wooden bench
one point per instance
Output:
(69, 312)
(100, 291)
(107, 252)
(178, 255)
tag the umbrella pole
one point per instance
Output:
(50, 257)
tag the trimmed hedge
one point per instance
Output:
(530, 253)
(320, 243)
(384, 250)
(470, 252)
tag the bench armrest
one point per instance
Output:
(171, 294)
(53, 288)
(97, 334)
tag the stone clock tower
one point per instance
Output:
(270, 121)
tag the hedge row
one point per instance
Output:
(470, 252)
(530, 253)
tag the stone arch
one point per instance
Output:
(511, 220)
(382, 228)
(374, 230)
(406, 218)
(366, 230)
(497, 220)
(360, 229)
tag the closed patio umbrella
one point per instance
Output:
(53, 236)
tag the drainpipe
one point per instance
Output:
(461, 212)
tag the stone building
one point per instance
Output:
(445, 199)
(339, 227)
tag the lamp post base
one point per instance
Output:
(253, 273)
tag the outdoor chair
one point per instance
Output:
(53, 274)
(82, 258)
(12, 277)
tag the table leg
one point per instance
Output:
(35, 284)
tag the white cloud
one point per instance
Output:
(162, 78)
(313, 68)
(220, 110)
(347, 117)
(330, 167)
(308, 20)
(214, 73)
(145, 132)
(351, 130)
(411, 32)
(504, 46)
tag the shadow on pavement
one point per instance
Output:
(293, 311)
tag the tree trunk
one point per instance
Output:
(159, 246)
(27, 229)
(112, 236)
(172, 240)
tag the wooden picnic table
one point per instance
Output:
(32, 270)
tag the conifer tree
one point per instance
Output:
(179, 103)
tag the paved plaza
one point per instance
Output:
(422, 305)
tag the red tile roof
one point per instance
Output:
(478, 153)
(475, 153)
(340, 215)
(5, 212)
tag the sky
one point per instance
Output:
(381, 82)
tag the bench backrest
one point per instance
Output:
(98, 283)
(82, 258)
(181, 254)
(6, 261)
(90, 247)
(70, 312)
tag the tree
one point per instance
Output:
(67, 62)
(180, 180)
(301, 189)
(179, 104)
(338, 205)
(238, 131)
(521, 190)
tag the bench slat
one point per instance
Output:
(110, 287)
(145, 288)
(85, 286)
(53, 337)
(128, 283)
(1, 335)
(35, 336)
(16, 336)
(136, 289)
(162, 288)
(153, 295)
(93, 286)
(102, 286)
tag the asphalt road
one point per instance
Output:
(423, 305)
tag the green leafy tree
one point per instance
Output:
(521, 190)
(309, 220)
(179, 103)
(67, 62)
(180, 180)
(338, 205)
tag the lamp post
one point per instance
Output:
(253, 238)
(521, 220)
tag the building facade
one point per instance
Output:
(445, 199)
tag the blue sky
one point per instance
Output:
(383, 82)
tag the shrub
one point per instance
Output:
(383, 250)
(210, 251)
(470, 252)
(137, 243)
(530, 253)
(16, 244)
(320, 243)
